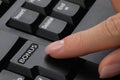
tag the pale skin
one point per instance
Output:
(103, 36)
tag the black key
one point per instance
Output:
(7, 75)
(24, 19)
(41, 78)
(31, 59)
(41, 6)
(54, 29)
(68, 11)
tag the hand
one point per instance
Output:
(100, 37)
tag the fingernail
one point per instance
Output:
(110, 71)
(55, 46)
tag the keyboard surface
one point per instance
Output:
(28, 26)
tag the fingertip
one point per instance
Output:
(110, 65)
(55, 48)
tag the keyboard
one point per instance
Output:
(28, 26)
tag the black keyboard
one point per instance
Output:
(28, 26)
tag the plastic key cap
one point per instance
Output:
(68, 11)
(53, 29)
(23, 19)
(41, 78)
(7, 75)
(32, 58)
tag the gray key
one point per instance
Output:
(7, 75)
(23, 19)
(32, 58)
(53, 29)
(41, 78)
(7, 41)
(38, 5)
(68, 11)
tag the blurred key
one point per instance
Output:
(68, 11)
(41, 78)
(53, 29)
(7, 75)
(31, 58)
(41, 6)
(23, 19)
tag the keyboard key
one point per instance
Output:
(41, 78)
(24, 19)
(68, 11)
(41, 6)
(7, 75)
(53, 29)
(31, 58)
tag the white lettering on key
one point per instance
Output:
(40, 79)
(19, 79)
(66, 8)
(63, 7)
(20, 14)
(47, 23)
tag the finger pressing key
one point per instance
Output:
(103, 36)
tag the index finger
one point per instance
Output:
(100, 37)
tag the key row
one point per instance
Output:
(29, 59)
(46, 7)
(8, 75)
(62, 9)
(59, 24)
(43, 6)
